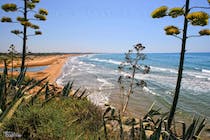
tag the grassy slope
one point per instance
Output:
(60, 118)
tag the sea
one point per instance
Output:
(98, 73)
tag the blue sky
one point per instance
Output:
(103, 26)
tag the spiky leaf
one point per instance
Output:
(171, 30)
(159, 12)
(30, 5)
(38, 32)
(43, 11)
(6, 19)
(20, 19)
(204, 32)
(198, 18)
(175, 12)
(35, 1)
(40, 17)
(10, 7)
(16, 32)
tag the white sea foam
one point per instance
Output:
(200, 75)
(163, 69)
(206, 71)
(107, 61)
(105, 82)
(146, 89)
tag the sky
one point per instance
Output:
(103, 26)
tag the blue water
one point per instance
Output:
(30, 69)
(99, 74)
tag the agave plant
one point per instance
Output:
(25, 10)
(195, 18)
(13, 89)
(153, 126)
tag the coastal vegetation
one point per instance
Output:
(38, 109)
(128, 83)
(24, 20)
(198, 18)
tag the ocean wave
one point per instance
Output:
(146, 89)
(205, 71)
(105, 82)
(163, 69)
(107, 61)
(199, 75)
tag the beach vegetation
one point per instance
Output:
(128, 83)
(152, 126)
(36, 109)
(12, 55)
(27, 9)
(59, 118)
(196, 18)
(13, 90)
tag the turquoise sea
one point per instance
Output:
(98, 73)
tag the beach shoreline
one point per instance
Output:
(54, 64)
(54, 67)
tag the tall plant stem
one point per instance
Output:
(12, 64)
(24, 37)
(131, 85)
(181, 64)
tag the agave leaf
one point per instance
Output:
(191, 129)
(26, 85)
(37, 94)
(106, 111)
(67, 88)
(47, 100)
(157, 133)
(142, 133)
(112, 112)
(76, 92)
(21, 77)
(200, 127)
(35, 84)
(82, 94)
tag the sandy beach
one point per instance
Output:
(54, 69)
(54, 65)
